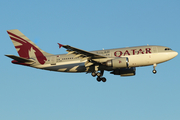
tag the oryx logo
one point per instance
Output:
(24, 48)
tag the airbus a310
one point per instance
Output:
(120, 61)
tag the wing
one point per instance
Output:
(81, 53)
(92, 58)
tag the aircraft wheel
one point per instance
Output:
(154, 71)
(93, 74)
(99, 74)
(103, 79)
(98, 79)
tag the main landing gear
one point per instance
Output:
(99, 79)
(99, 76)
(154, 70)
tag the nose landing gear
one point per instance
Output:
(154, 70)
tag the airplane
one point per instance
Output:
(119, 61)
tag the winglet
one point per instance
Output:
(60, 45)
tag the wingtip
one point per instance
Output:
(60, 45)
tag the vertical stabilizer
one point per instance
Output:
(26, 48)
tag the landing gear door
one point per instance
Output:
(53, 60)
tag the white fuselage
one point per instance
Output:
(138, 56)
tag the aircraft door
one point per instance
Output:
(53, 60)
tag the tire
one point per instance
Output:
(93, 74)
(104, 79)
(154, 71)
(98, 79)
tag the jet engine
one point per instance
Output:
(125, 71)
(118, 63)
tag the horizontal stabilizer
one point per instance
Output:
(19, 59)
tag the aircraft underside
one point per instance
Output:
(97, 70)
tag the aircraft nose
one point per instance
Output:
(171, 55)
(174, 54)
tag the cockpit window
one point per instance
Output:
(168, 49)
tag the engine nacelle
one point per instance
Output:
(125, 71)
(118, 62)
